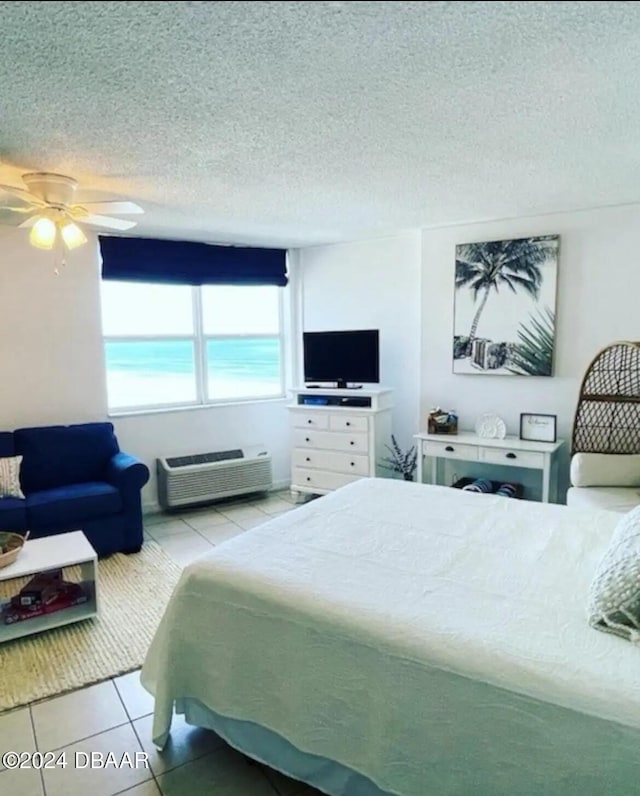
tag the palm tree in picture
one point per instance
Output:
(515, 264)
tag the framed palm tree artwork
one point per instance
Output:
(505, 304)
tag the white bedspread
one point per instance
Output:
(366, 625)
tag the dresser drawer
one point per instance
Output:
(450, 450)
(515, 458)
(310, 420)
(319, 479)
(347, 422)
(331, 440)
(356, 464)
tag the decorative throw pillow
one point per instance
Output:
(10, 477)
(614, 597)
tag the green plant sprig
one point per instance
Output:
(400, 461)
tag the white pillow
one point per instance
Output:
(614, 596)
(605, 469)
(10, 477)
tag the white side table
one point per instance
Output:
(54, 552)
(511, 451)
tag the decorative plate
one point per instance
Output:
(491, 426)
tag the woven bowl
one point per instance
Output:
(10, 556)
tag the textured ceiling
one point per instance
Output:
(299, 123)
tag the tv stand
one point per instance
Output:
(338, 437)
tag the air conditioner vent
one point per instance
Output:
(204, 458)
(204, 477)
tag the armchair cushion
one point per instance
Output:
(13, 514)
(55, 456)
(612, 498)
(72, 504)
(605, 469)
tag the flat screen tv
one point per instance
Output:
(342, 357)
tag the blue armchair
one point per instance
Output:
(76, 478)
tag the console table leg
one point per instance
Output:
(546, 477)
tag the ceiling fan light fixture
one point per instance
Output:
(43, 233)
(51, 210)
(72, 235)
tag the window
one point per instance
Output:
(176, 345)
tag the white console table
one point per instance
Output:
(510, 451)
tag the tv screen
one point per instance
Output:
(341, 357)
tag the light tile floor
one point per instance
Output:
(115, 716)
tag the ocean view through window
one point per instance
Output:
(175, 345)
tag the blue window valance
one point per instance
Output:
(189, 263)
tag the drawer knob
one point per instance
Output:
(347, 423)
(353, 464)
(309, 422)
(307, 459)
(306, 439)
(308, 478)
(450, 448)
(352, 443)
(511, 456)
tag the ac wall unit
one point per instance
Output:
(203, 477)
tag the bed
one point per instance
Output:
(399, 638)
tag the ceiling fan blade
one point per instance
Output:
(18, 209)
(107, 222)
(8, 219)
(29, 222)
(24, 195)
(120, 208)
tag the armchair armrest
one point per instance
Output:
(126, 472)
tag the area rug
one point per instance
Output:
(133, 592)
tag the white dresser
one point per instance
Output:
(338, 436)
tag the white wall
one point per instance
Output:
(50, 339)
(597, 303)
(52, 355)
(53, 367)
(372, 284)
(150, 436)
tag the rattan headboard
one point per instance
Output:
(607, 418)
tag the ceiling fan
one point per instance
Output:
(50, 210)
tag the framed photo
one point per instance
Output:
(538, 428)
(504, 313)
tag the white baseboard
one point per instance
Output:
(150, 508)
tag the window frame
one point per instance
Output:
(199, 340)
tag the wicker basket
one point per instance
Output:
(10, 556)
(439, 423)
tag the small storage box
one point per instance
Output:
(495, 485)
(442, 423)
